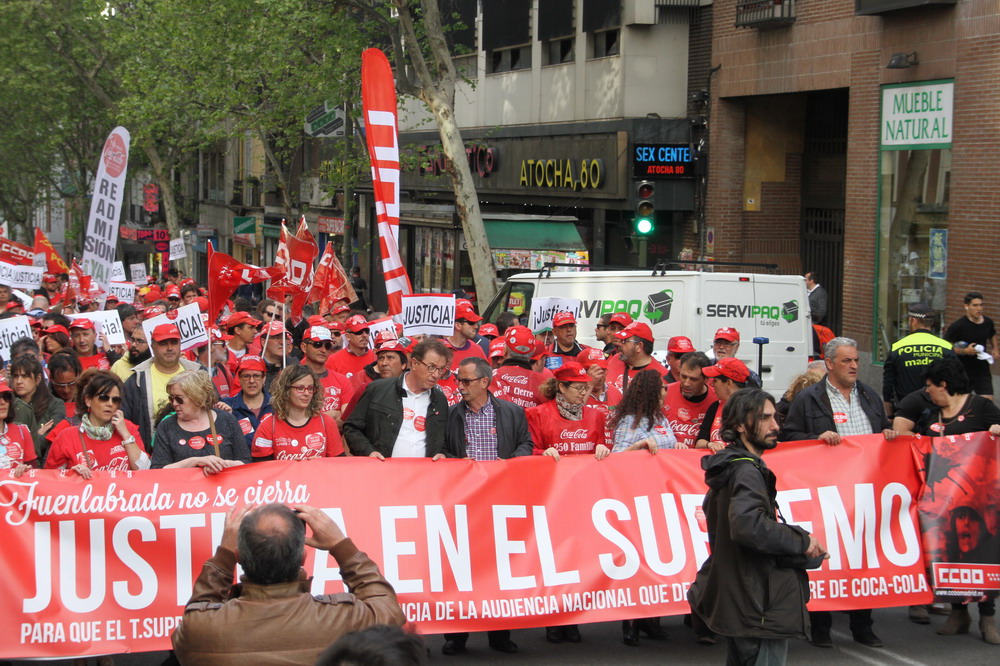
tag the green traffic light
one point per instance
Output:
(643, 226)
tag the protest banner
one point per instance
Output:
(188, 320)
(544, 309)
(21, 277)
(107, 322)
(377, 325)
(138, 273)
(52, 261)
(118, 272)
(430, 314)
(13, 329)
(106, 565)
(960, 515)
(123, 291)
(177, 249)
(15, 253)
(100, 243)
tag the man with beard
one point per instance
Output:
(337, 388)
(353, 358)
(677, 346)
(138, 352)
(752, 553)
(726, 377)
(687, 400)
(637, 348)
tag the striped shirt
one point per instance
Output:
(848, 417)
(480, 432)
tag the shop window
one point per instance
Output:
(914, 191)
(605, 43)
(559, 51)
(510, 60)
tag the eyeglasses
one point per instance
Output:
(268, 313)
(466, 382)
(304, 389)
(433, 369)
(335, 334)
(64, 384)
(723, 343)
(316, 344)
(175, 399)
(142, 342)
(251, 377)
(602, 326)
(113, 399)
(580, 388)
(363, 331)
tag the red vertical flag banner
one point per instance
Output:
(378, 97)
(227, 274)
(298, 254)
(330, 283)
(53, 262)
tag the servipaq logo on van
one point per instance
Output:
(658, 306)
(788, 311)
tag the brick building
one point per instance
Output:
(857, 138)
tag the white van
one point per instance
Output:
(690, 303)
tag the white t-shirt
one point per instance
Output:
(411, 442)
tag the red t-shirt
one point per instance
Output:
(549, 429)
(347, 363)
(459, 354)
(617, 372)
(337, 391)
(449, 386)
(108, 455)
(316, 439)
(16, 446)
(98, 360)
(685, 416)
(518, 385)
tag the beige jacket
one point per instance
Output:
(283, 623)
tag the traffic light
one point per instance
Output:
(645, 211)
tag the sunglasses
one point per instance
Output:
(6, 397)
(316, 344)
(363, 331)
(64, 384)
(175, 399)
(304, 389)
(114, 400)
(466, 382)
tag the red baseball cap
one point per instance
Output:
(343, 307)
(4, 388)
(622, 318)
(732, 368)
(637, 329)
(489, 331)
(571, 371)
(498, 348)
(467, 313)
(216, 334)
(356, 323)
(337, 326)
(563, 319)
(187, 281)
(15, 304)
(55, 329)
(392, 345)
(316, 320)
(679, 345)
(240, 317)
(82, 324)
(727, 333)
(153, 311)
(318, 333)
(173, 291)
(166, 332)
(520, 340)
(111, 297)
(151, 295)
(251, 362)
(84, 301)
(592, 356)
(49, 277)
(385, 335)
(202, 303)
(273, 329)
(541, 349)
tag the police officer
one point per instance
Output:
(904, 366)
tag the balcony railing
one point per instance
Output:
(764, 13)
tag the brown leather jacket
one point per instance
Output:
(283, 623)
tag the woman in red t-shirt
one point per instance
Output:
(298, 429)
(105, 439)
(17, 449)
(565, 425)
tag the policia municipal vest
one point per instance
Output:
(909, 358)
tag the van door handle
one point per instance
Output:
(765, 369)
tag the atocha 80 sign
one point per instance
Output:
(584, 174)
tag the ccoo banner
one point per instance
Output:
(430, 314)
(99, 247)
(189, 323)
(107, 565)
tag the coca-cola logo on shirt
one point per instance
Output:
(579, 433)
(515, 379)
(683, 413)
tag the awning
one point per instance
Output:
(534, 234)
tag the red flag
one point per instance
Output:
(330, 283)
(53, 262)
(227, 274)
(300, 252)
(16, 253)
(378, 96)
(79, 284)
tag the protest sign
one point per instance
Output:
(383, 324)
(177, 249)
(124, 291)
(467, 545)
(15, 253)
(100, 243)
(138, 272)
(188, 320)
(544, 309)
(21, 277)
(118, 272)
(107, 322)
(430, 314)
(13, 329)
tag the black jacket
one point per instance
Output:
(811, 413)
(740, 590)
(375, 421)
(513, 437)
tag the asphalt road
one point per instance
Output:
(905, 643)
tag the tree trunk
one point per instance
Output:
(161, 173)
(280, 181)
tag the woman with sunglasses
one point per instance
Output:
(565, 425)
(105, 439)
(298, 429)
(17, 450)
(197, 434)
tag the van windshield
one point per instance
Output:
(513, 296)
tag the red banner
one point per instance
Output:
(378, 97)
(228, 274)
(295, 255)
(330, 283)
(53, 262)
(15, 253)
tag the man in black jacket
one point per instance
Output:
(403, 417)
(483, 427)
(753, 588)
(838, 405)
